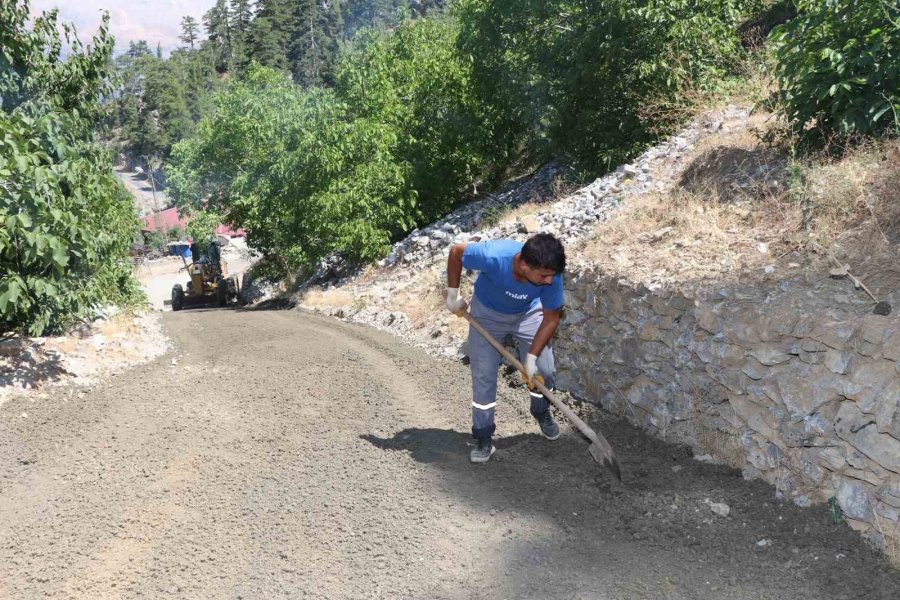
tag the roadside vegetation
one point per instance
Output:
(341, 127)
(67, 223)
(423, 114)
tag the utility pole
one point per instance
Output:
(155, 201)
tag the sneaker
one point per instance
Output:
(483, 452)
(549, 428)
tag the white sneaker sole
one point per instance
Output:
(479, 459)
(556, 437)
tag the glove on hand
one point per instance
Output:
(455, 304)
(531, 371)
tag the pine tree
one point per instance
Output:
(240, 19)
(314, 47)
(270, 33)
(189, 30)
(423, 7)
(370, 13)
(197, 71)
(219, 39)
(135, 50)
(165, 100)
(241, 16)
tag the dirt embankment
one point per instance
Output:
(91, 353)
(283, 455)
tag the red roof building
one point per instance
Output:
(169, 218)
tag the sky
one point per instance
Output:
(156, 21)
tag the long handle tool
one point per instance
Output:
(600, 449)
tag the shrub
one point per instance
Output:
(413, 80)
(68, 223)
(569, 77)
(839, 67)
(296, 170)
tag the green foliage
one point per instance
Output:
(156, 240)
(161, 99)
(67, 222)
(296, 169)
(427, 108)
(314, 45)
(202, 225)
(413, 81)
(839, 66)
(190, 31)
(270, 33)
(569, 77)
(219, 43)
(308, 172)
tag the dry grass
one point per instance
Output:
(317, 298)
(424, 300)
(686, 236)
(523, 210)
(850, 207)
(737, 193)
(752, 86)
(730, 199)
(882, 199)
(833, 194)
(890, 533)
(721, 445)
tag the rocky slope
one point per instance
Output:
(378, 296)
(696, 310)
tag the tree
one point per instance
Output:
(423, 7)
(413, 79)
(270, 33)
(219, 39)
(295, 169)
(68, 222)
(839, 67)
(570, 77)
(164, 99)
(240, 19)
(136, 51)
(190, 28)
(314, 48)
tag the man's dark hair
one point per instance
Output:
(544, 251)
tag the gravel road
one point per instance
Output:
(276, 454)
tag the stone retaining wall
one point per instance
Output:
(792, 381)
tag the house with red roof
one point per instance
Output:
(165, 220)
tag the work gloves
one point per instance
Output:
(531, 371)
(455, 304)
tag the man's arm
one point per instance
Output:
(454, 265)
(454, 303)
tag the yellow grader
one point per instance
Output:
(209, 281)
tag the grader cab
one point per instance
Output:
(209, 281)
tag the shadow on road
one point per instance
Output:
(606, 532)
(29, 365)
(277, 303)
(431, 445)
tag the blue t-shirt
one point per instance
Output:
(496, 286)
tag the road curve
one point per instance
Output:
(277, 454)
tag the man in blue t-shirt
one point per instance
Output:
(519, 291)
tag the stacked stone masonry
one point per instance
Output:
(795, 382)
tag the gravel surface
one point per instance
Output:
(277, 454)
